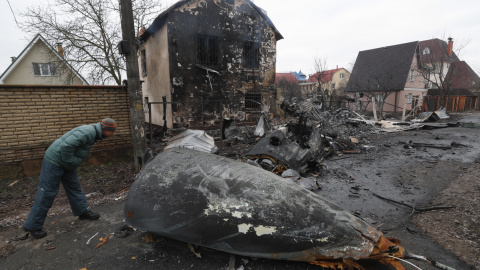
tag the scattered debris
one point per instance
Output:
(13, 183)
(193, 139)
(262, 126)
(88, 242)
(440, 145)
(192, 249)
(103, 241)
(123, 231)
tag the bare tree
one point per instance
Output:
(320, 66)
(436, 59)
(89, 31)
(378, 86)
(289, 89)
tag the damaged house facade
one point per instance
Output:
(398, 77)
(209, 60)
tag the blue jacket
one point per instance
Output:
(73, 147)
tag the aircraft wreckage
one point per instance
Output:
(215, 202)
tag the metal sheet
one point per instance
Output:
(278, 146)
(215, 202)
(193, 139)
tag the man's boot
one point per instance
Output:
(89, 215)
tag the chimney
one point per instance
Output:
(450, 46)
(60, 48)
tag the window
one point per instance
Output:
(144, 63)
(332, 86)
(41, 69)
(379, 98)
(409, 98)
(412, 75)
(426, 50)
(253, 102)
(207, 50)
(250, 54)
(342, 75)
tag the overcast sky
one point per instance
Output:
(333, 30)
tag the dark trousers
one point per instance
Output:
(50, 177)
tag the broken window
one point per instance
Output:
(144, 63)
(253, 102)
(251, 54)
(207, 50)
(42, 69)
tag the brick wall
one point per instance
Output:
(32, 117)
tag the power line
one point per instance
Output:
(15, 18)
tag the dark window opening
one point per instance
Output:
(207, 50)
(251, 54)
(144, 63)
(253, 102)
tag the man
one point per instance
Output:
(60, 165)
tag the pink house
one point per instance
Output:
(399, 76)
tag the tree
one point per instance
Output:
(436, 59)
(320, 66)
(378, 86)
(289, 88)
(89, 31)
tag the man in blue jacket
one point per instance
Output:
(60, 165)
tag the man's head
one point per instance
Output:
(108, 127)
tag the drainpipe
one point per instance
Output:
(395, 107)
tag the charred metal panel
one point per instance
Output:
(207, 42)
(278, 146)
(231, 206)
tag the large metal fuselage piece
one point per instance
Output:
(219, 203)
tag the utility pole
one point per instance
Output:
(128, 47)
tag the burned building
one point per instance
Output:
(209, 60)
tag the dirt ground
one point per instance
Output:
(401, 191)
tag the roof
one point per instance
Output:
(461, 75)
(325, 76)
(290, 77)
(382, 67)
(300, 76)
(25, 51)
(437, 51)
(161, 19)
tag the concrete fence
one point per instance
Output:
(33, 116)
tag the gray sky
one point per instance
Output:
(333, 30)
